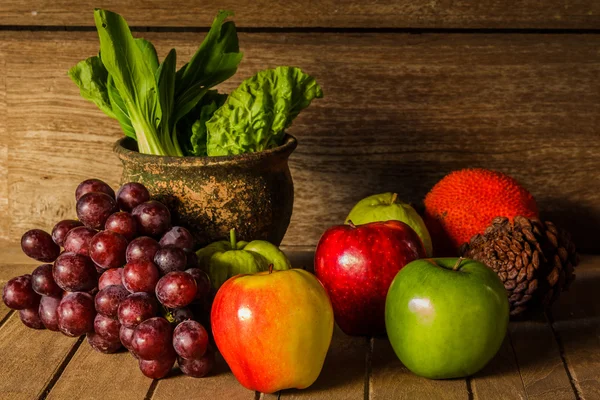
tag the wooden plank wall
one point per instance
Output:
(413, 90)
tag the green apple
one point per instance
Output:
(386, 207)
(446, 317)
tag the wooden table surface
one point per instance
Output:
(555, 357)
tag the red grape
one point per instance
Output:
(93, 209)
(182, 314)
(39, 245)
(180, 237)
(108, 300)
(176, 289)
(18, 293)
(157, 369)
(140, 276)
(142, 248)
(136, 308)
(106, 327)
(74, 272)
(48, 313)
(76, 314)
(101, 344)
(198, 368)
(60, 230)
(107, 249)
(30, 318)
(113, 276)
(190, 340)
(78, 240)
(93, 185)
(123, 223)
(125, 335)
(170, 259)
(153, 218)
(43, 283)
(132, 194)
(152, 338)
(202, 279)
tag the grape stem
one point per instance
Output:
(394, 198)
(232, 239)
(270, 268)
(351, 224)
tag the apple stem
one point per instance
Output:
(351, 224)
(232, 239)
(394, 198)
(457, 265)
(270, 268)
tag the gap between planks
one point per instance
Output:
(61, 368)
(561, 349)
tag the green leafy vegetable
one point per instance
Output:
(175, 112)
(91, 76)
(165, 76)
(256, 114)
(192, 128)
(215, 61)
(133, 78)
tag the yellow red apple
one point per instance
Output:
(273, 328)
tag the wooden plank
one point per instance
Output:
(400, 111)
(305, 13)
(221, 383)
(500, 379)
(4, 145)
(577, 325)
(92, 375)
(4, 311)
(538, 357)
(30, 358)
(391, 380)
(343, 374)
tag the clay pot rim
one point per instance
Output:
(289, 145)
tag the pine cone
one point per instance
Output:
(534, 259)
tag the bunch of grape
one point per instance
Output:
(126, 277)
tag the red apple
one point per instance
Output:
(273, 329)
(357, 264)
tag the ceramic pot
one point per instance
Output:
(252, 193)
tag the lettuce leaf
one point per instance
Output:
(256, 114)
(192, 128)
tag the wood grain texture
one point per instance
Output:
(343, 374)
(30, 358)
(4, 141)
(538, 357)
(92, 375)
(400, 112)
(392, 380)
(219, 384)
(306, 13)
(500, 379)
(577, 325)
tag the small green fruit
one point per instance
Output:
(385, 207)
(226, 258)
(234, 262)
(271, 253)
